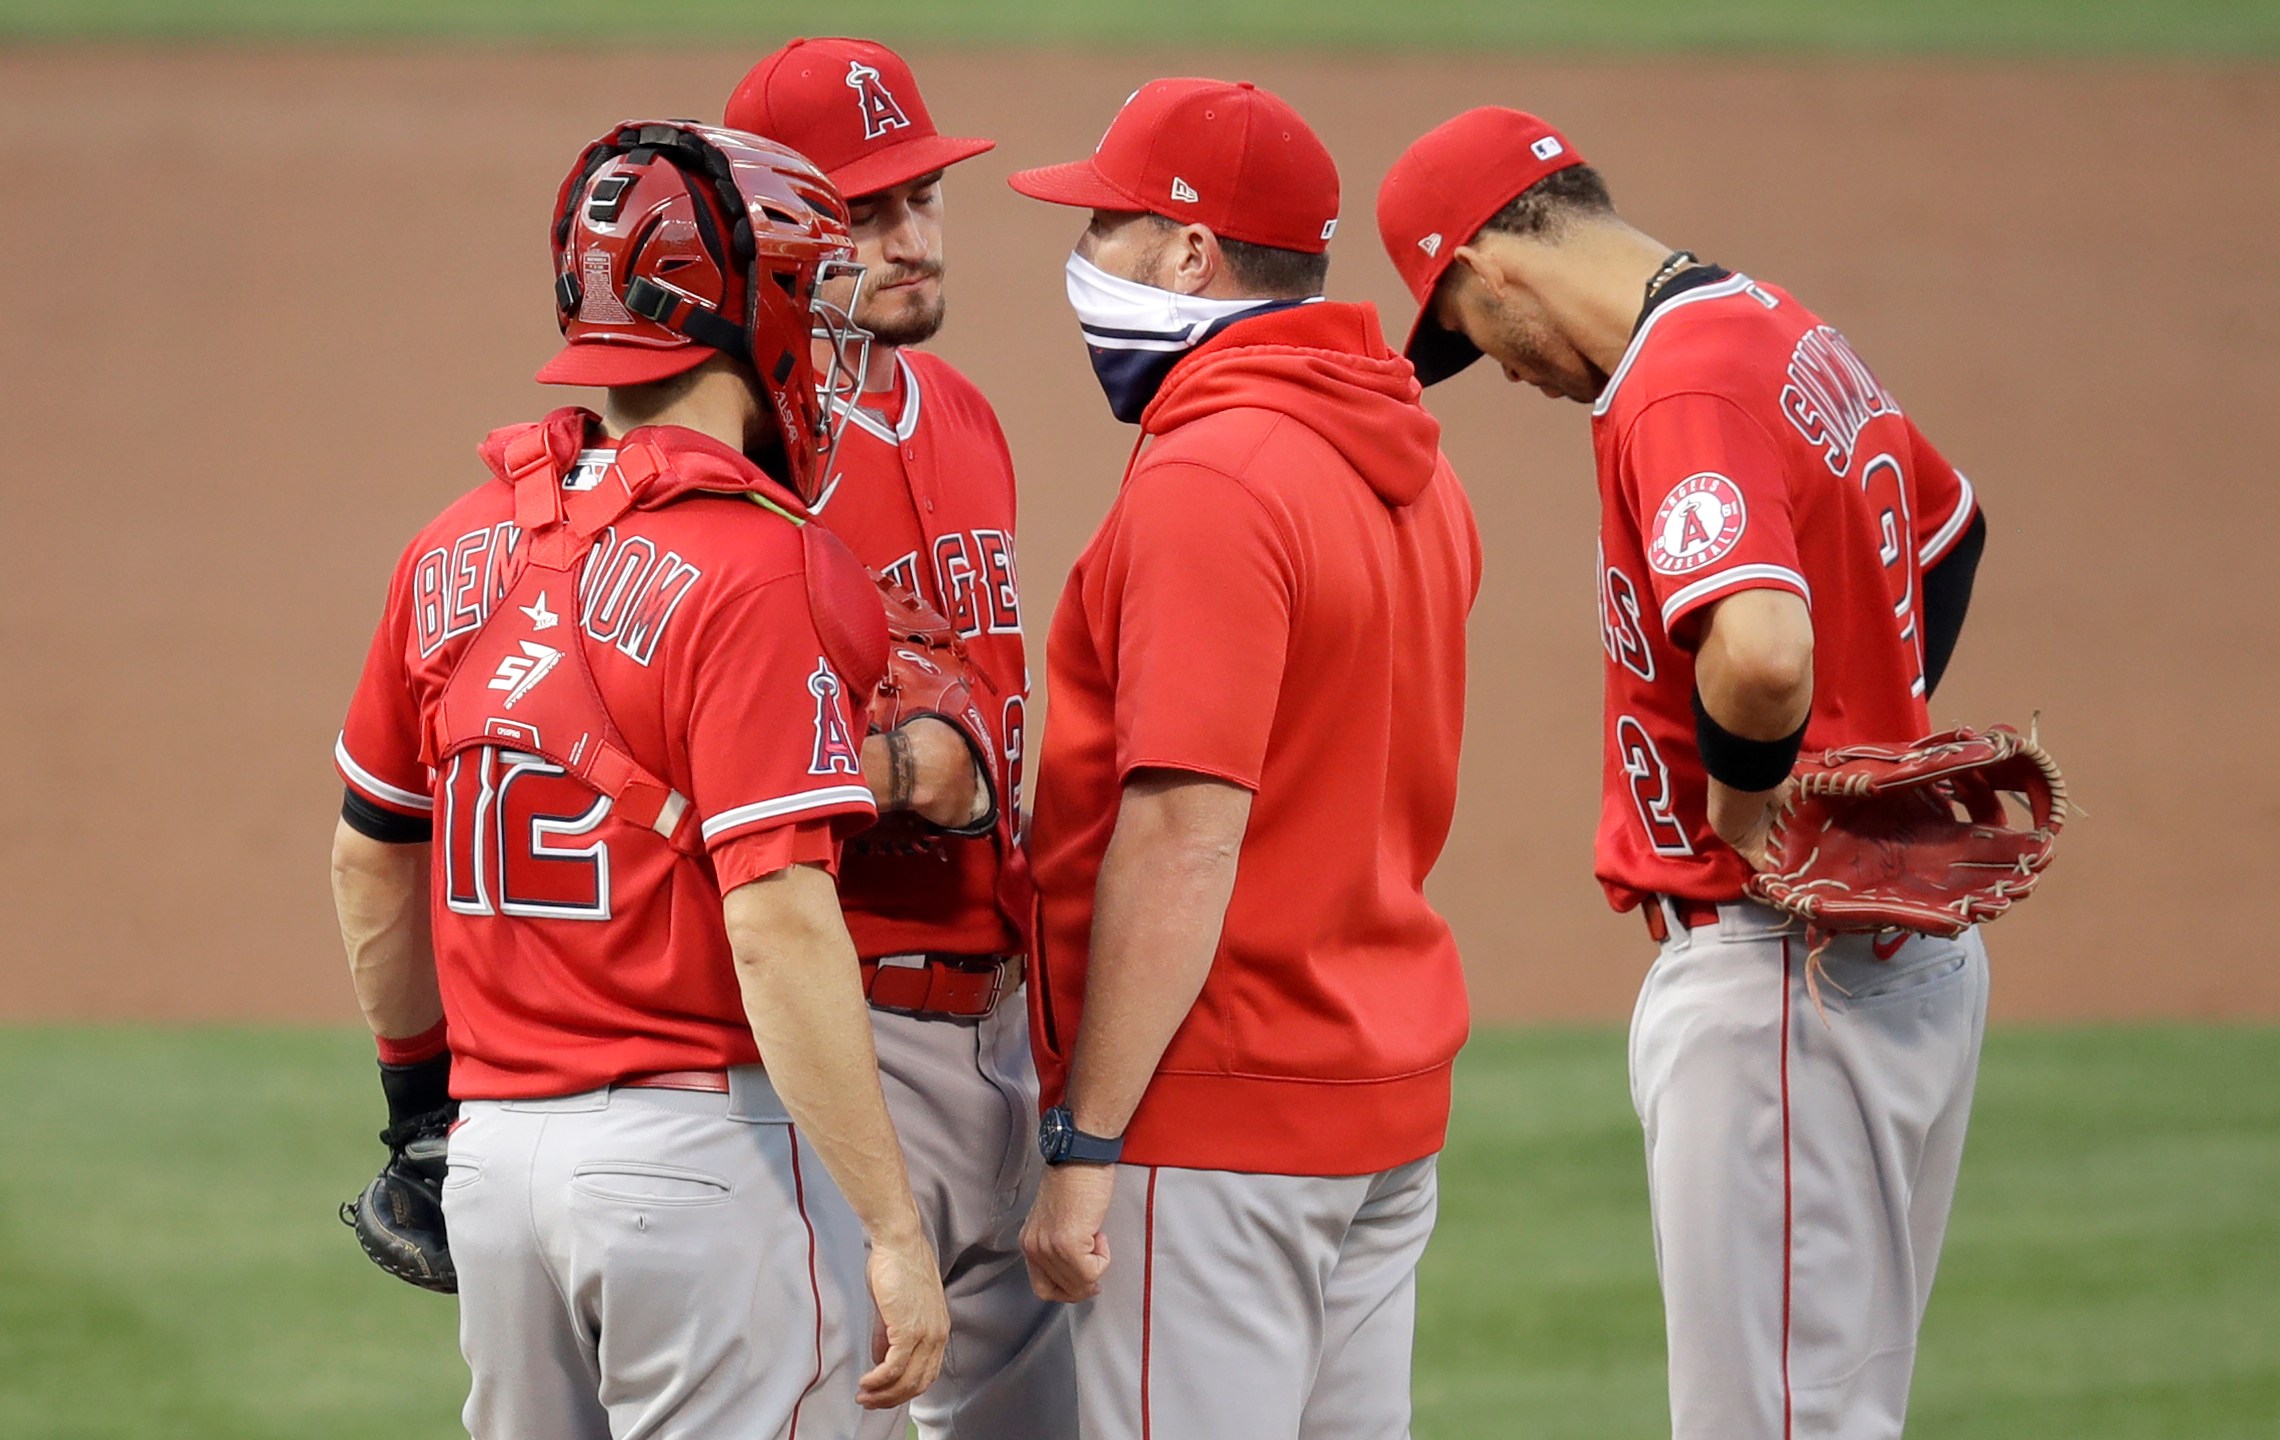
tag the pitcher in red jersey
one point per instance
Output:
(1784, 560)
(937, 894)
(600, 764)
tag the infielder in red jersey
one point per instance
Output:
(937, 895)
(1784, 561)
(599, 766)
(1246, 1009)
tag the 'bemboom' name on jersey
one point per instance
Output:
(627, 590)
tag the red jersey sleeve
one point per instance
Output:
(1943, 500)
(1202, 583)
(1707, 486)
(775, 768)
(378, 752)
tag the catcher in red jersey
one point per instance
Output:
(600, 765)
(937, 894)
(1784, 560)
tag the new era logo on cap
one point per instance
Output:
(1547, 147)
(1183, 192)
(1431, 244)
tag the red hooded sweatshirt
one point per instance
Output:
(1277, 599)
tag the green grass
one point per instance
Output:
(2217, 27)
(2112, 1271)
(170, 1265)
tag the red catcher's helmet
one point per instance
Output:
(674, 242)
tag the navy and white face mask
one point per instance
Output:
(1136, 333)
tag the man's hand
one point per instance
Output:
(1067, 1253)
(1744, 818)
(914, 1323)
(926, 767)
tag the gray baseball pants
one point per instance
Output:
(1255, 1307)
(1801, 1163)
(653, 1265)
(963, 1094)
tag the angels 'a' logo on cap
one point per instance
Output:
(881, 111)
(1183, 192)
(1431, 244)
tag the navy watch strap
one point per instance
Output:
(1062, 1143)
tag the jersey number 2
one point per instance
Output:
(1897, 549)
(1650, 787)
(509, 819)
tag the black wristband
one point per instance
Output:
(416, 1090)
(1741, 763)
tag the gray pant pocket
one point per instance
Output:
(646, 1182)
(1865, 986)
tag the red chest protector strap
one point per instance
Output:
(524, 682)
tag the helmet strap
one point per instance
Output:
(683, 316)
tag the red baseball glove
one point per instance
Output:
(1916, 838)
(930, 673)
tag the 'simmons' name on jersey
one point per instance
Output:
(627, 592)
(1831, 395)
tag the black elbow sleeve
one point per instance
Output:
(375, 822)
(1947, 599)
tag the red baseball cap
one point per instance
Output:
(852, 107)
(1438, 195)
(1231, 157)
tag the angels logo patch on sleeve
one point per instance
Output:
(835, 750)
(1699, 524)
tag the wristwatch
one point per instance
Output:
(1062, 1143)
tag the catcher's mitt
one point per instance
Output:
(930, 673)
(1869, 838)
(399, 1217)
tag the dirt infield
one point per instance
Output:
(261, 306)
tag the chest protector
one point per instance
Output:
(524, 682)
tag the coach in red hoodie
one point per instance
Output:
(1245, 1009)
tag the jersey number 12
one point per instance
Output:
(511, 820)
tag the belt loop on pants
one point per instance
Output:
(1659, 910)
(936, 986)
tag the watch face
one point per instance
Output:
(1053, 1133)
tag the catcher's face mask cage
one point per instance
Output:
(656, 198)
(846, 348)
